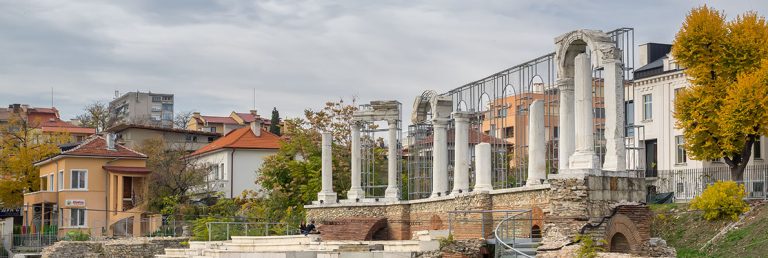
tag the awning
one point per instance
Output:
(127, 170)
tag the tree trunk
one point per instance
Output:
(737, 172)
(739, 162)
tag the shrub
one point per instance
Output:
(588, 248)
(77, 236)
(724, 199)
(446, 241)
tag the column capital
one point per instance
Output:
(611, 55)
(463, 116)
(391, 122)
(565, 84)
(440, 122)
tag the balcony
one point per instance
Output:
(40, 197)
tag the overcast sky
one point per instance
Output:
(296, 54)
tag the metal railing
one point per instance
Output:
(501, 235)
(29, 242)
(689, 183)
(459, 219)
(222, 231)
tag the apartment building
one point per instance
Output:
(148, 108)
(133, 136)
(47, 120)
(225, 124)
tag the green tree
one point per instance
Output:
(724, 110)
(274, 126)
(23, 144)
(173, 174)
(97, 116)
(292, 176)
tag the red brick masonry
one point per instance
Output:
(359, 229)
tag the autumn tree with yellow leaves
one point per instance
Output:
(22, 143)
(726, 108)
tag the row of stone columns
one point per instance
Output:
(483, 156)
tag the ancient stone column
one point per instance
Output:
(537, 151)
(566, 134)
(483, 167)
(584, 157)
(439, 158)
(355, 191)
(326, 194)
(615, 155)
(461, 153)
(392, 191)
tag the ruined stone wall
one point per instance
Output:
(406, 217)
(129, 247)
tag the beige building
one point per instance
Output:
(224, 124)
(133, 136)
(97, 187)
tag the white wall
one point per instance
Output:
(240, 166)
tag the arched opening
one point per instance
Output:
(462, 106)
(381, 234)
(484, 103)
(535, 231)
(619, 243)
(536, 85)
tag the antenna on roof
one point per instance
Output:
(254, 98)
(51, 97)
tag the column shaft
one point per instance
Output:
(483, 167)
(355, 191)
(537, 151)
(615, 154)
(566, 135)
(439, 159)
(326, 194)
(461, 152)
(392, 191)
(584, 157)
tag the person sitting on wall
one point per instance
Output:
(309, 229)
(302, 227)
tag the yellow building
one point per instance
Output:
(97, 186)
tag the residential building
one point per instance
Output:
(133, 136)
(95, 186)
(149, 108)
(224, 124)
(235, 158)
(46, 120)
(651, 108)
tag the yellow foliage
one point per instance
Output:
(725, 108)
(723, 200)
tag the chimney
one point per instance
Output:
(642, 55)
(110, 141)
(256, 126)
(254, 113)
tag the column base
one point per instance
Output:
(534, 181)
(459, 191)
(355, 194)
(583, 161)
(439, 194)
(482, 188)
(325, 198)
(391, 193)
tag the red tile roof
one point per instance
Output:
(123, 127)
(242, 138)
(72, 130)
(97, 146)
(127, 170)
(248, 117)
(219, 119)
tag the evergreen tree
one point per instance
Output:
(274, 127)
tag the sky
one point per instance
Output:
(296, 54)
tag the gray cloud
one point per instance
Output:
(297, 54)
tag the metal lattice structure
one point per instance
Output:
(500, 105)
(374, 156)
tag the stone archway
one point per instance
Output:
(619, 244)
(577, 53)
(623, 235)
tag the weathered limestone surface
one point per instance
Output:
(537, 144)
(121, 248)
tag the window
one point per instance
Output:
(223, 172)
(680, 188)
(50, 182)
(758, 151)
(167, 98)
(156, 107)
(167, 116)
(61, 180)
(556, 132)
(155, 117)
(156, 98)
(168, 107)
(599, 112)
(492, 131)
(680, 155)
(501, 112)
(215, 172)
(629, 118)
(509, 132)
(213, 129)
(77, 217)
(79, 179)
(647, 107)
(44, 183)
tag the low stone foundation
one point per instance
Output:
(405, 217)
(128, 248)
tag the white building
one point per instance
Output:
(236, 158)
(651, 108)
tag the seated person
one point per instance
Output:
(309, 229)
